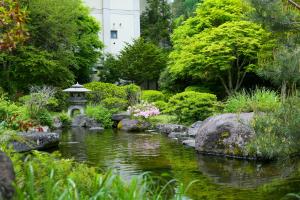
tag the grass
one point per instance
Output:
(46, 176)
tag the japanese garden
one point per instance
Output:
(149, 99)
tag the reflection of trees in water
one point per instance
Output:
(240, 173)
(219, 178)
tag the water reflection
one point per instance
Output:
(219, 178)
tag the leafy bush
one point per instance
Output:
(196, 88)
(65, 119)
(258, 101)
(133, 94)
(101, 114)
(102, 91)
(152, 96)
(192, 106)
(43, 117)
(277, 133)
(114, 103)
(162, 105)
(163, 119)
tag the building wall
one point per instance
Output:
(122, 16)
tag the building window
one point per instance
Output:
(114, 34)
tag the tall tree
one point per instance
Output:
(184, 8)
(216, 44)
(62, 34)
(138, 62)
(156, 22)
(283, 64)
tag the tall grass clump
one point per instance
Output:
(260, 100)
(100, 114)
(277, 133)
(45, 176)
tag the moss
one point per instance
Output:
(120, 125)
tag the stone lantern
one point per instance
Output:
(77, 98)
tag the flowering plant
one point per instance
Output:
(143, 110)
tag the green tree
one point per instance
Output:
(139, 62)
(282, 65)
(184, 8)
(156, 22)
(217, 44)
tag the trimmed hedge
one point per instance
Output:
(192, 106)
(153, 96)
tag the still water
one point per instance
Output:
(218, 178)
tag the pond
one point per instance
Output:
(218, 178)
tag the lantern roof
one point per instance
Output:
(77, 88)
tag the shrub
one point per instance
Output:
(65, 119)
(143, 110)
(133, 94)
(258, 101)
(163, 119)
(43, 117)
(152, 96)
(114, 103)
(277, 133)
(196, 88)
(102, 91)
(162, 105)
(192, 106)
(101, 114)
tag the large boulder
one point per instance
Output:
(133, 125)
(116, 118)
(85, 121)
(193, 129)
(35, 141)
(170, 128)
(7, 176)
(225, 134)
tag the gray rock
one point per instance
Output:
(7, 176)
(35, 141)
(179, 135)
(120, 116)
(225, 134)
(193, 129)
(130, 125)
(169, 128)
(189, 143)
(85, 121)
(96, 129)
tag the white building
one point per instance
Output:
(119, 19)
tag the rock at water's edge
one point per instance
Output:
(133, 125)
(35, 141)
(7, 176)
(169, 128)
(225, 134)
(193, 129)
(189, 143)
(85, 121)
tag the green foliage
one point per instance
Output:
(65, 119)
(133, 94)
(277, 133)
(44, 118)
(260, 100)
(184, 8)
(101, 114)
(139, 62)
(161, 105)
(63, 38)
(192, 106)
(116, 104)
(109, 71)
(227, 52)
(197, 88)
(152, 96)
(156, 22)
(102, 91)
(163, 119)
(47, 176)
